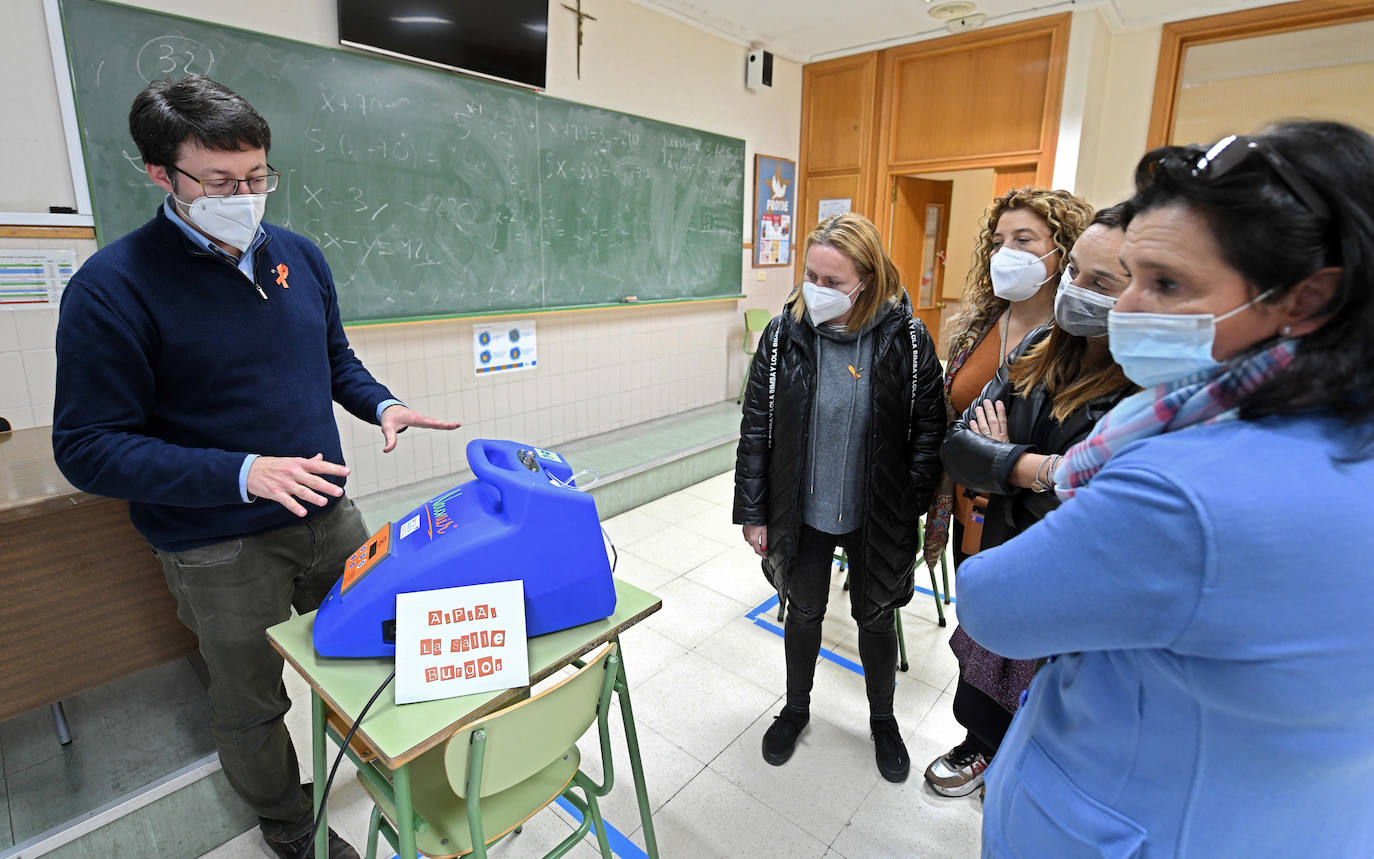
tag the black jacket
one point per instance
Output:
(906, 425)
(984, 466)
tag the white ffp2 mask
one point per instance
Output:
(233, 220)
(1017, 275)
(824, 303)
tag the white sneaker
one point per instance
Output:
(959, 772)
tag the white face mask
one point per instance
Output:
(233, 220)
(1017, 275)
(824, 303)
(1081, 312)
(1154, 348)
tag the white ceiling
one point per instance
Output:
(810, 30)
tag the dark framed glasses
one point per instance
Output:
(265, 183)
(1226, 153)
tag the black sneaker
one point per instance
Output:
(889, 750)
(304, 847)
(780, 739)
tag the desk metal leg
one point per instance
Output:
(59, 718)
(320, 763)
(622, 688)
(405, 813)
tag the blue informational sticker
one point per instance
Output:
(549, 455)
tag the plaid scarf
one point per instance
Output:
(1209, 397)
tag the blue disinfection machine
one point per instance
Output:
(522, 518)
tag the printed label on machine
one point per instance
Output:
(459, 641)
(548, 454)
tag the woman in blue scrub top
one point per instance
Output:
(1204, 594)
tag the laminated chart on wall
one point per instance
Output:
(501, 347)
(34, 279)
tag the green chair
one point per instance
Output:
(754, 321)
(496, 773)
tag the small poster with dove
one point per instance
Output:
(774, 210)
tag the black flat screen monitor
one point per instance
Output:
(503, 39)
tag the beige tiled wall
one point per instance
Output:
(598, 371)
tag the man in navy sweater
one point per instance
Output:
(198, 358)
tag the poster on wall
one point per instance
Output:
(500, 347)
(34, 279)
(774, 209)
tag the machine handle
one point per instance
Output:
(495, 463)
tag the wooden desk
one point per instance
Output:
(82, 599)
(399, 734)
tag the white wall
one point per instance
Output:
(599, 370)
(1116, 112)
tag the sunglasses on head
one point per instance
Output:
(1226, 153)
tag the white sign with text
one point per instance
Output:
(459, 641)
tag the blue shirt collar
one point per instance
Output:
(244, 263)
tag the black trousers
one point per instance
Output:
(808, 589)
(986, 720)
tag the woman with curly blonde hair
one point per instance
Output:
(1020, 254)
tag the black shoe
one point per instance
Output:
(889, 750)
(304, 847)
(780, 739)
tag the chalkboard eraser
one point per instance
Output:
(61, 210)
(629, 299)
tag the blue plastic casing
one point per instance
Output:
(519, 519)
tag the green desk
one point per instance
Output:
(399, 734)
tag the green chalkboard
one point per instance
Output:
(431, 194)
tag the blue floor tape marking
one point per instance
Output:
(771, 603)
(928, 592)
(620, 845)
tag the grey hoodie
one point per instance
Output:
(833, 490)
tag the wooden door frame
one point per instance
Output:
(1264, 21)
(865, 170)
(1055, 26)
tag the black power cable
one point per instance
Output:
(329, 782)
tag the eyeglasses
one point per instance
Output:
(1226, 153)
(264, 184)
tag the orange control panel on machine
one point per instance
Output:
(369, 555)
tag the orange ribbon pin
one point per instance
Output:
(858, 374)
(282, 271)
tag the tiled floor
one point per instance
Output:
(706, 680)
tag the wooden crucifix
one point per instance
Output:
(581, 16)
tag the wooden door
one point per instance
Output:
(918, 229)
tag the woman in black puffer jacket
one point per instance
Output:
(839, 445)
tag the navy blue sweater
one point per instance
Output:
(171, 369)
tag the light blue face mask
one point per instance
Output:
(1154, 348)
